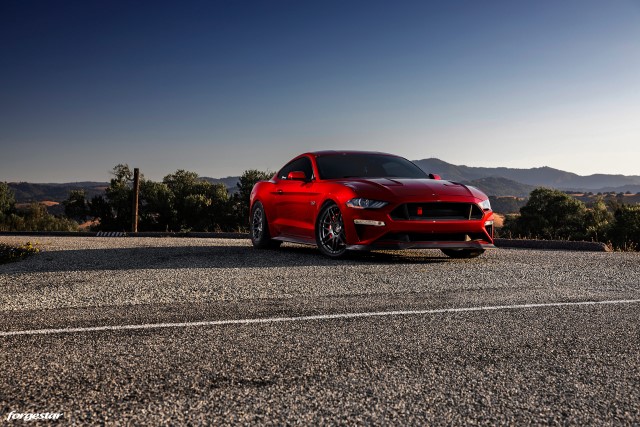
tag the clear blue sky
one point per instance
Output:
(218, 87)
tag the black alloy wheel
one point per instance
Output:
(259, 229)
(330, 235)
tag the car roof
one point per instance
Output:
(338, 152)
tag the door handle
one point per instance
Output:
(279, 191)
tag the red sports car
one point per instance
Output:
(352, 200)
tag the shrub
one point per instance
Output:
(197, 204)
(550, 214)
(76, 206)
(157, 211)
(625, 231)
(598, 220)
(119, 195)
(10, 253)
(7, 200)
(241, 199)
(36, 218)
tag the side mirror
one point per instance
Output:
(297, 176)
(434, 176)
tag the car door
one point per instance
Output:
(295, 200)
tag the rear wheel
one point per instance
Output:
(330, 235)
(260, 237)
(463, 253)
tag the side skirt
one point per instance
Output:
(294, 239)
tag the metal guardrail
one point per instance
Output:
(562, 245)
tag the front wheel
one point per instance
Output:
(330, 235)
(463, 253)
(260, 237)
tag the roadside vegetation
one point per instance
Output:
(183, 201)
(180, 202)
(555, 215)
(33, 217)
(9, 253)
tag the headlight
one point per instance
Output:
(485, 204)
(360, 203)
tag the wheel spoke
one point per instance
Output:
(257, 224)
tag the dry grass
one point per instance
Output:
(86, 226)
(47, 203)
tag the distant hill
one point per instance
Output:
(498, 186)
(229, 182)
(26, 192)
(632, 188)
(508, 204)
(448, 171)
(537, 177)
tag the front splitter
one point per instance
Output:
(421, 245)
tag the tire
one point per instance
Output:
(259, 229)
(330, 236)
(463, 253)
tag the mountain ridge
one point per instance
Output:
(496, 181)
(544, 176)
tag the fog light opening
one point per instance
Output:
(369, 222)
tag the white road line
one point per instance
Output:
(316, 317)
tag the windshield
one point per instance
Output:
(362, 165)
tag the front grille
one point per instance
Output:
(437, 211)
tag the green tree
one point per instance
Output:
(198, 204)
(625, 231)
(99, 208)
(196, 213)
(116, 213)
(76, 206)
(182, 185)
(550, 214)
(157, 212)
(219, 211)
(7, 201)
(242, 198)
(598, 220)
(614, 204)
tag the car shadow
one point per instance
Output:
(228, 256)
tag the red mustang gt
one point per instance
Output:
(351, 200)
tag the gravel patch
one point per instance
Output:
(576, 365)
(96, 272)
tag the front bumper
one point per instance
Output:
(380, 231)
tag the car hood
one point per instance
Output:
(412, 187)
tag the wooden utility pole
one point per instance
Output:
(136, 193)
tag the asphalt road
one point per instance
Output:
(519, 364)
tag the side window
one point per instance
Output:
(302, 164)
